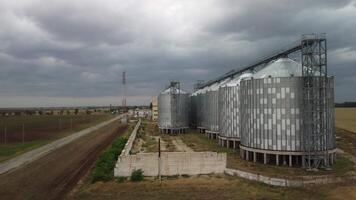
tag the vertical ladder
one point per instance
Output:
(315, 115)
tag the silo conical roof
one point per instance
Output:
(282, 67)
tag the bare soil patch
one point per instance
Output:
(54, 175)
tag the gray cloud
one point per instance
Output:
(72, 52)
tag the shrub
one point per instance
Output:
(137, 175)
(120, 179)
(105, 164)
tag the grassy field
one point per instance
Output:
(147, 139)
(345, 118)
(199, 142)
(209, 188)
(39, 130)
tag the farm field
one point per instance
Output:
(54, 175)
(345, 118)
(19, 134)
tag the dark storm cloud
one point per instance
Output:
(73, 52)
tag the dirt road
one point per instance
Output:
(54, 175)
(41, 151)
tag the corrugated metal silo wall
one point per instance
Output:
(204, 100)
(164, 111)
(199, 110)
(229, 110)
(271, 114)
(193, 111)
(180, 104)
(213, 111)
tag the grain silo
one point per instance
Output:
(173, 109)
(212, 96)
(202, 109)
(272, 115)
(193, 118)
(229, 111)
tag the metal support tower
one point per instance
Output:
(315, 115)
(123, 89)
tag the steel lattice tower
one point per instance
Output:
(123, 89)
(315, 115)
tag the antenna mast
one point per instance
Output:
(124, 89)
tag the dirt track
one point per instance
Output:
(54, 175)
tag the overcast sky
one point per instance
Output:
(68, 53)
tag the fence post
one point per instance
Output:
(23, 133)
(60, 124)
(5, 133)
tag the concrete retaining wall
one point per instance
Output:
(172, 163)
(129, 143)
(303, 181)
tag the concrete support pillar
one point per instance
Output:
(332, 158)
(290, 160)
(254, 157)
(247, 155)
(284, 160)
(242, 153)
(297, 160)
(264, 158)
(234, 144)
(277, 159)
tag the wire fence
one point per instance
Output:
(17, 129)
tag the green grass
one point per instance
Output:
(11, 150)
(40, 130)
(197, 187)
(199, 142)
(104, 166)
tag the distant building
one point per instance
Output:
(154, 109)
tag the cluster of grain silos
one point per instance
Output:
(173, 109)
(260, 113)
(269, 112)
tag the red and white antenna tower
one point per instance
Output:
(123, 89)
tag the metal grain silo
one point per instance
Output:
(202, 110)
(212, 95)
(193, 114)
(173, 109)
(229, 112)
(271, 115)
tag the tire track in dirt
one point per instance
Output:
(56, 174)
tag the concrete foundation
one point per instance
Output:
(212, 134)
(173, 130)
(291, 159)
(201, 130)
(232, 143)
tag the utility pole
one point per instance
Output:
(60, 124)
(5, 132)
(123, 104)
(159, 159)
(23, 133)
